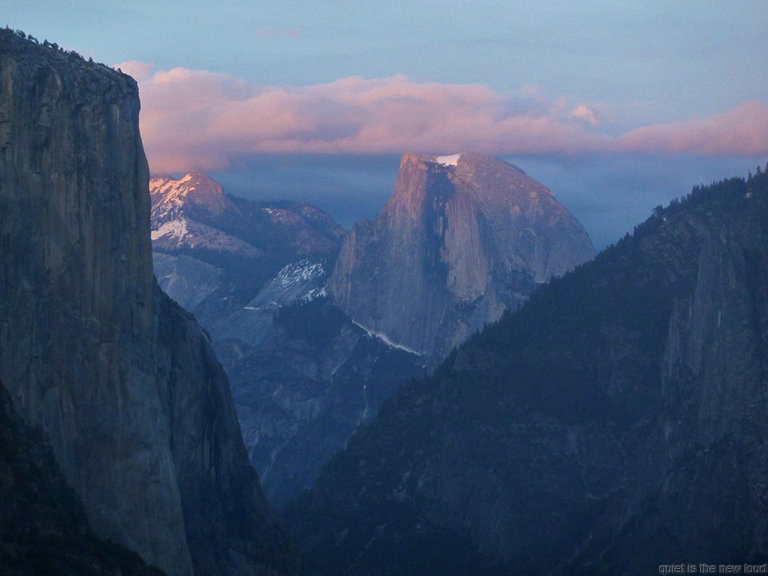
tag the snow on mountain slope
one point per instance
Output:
(301, 281)
(183, 232)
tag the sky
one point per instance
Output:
(615, 106)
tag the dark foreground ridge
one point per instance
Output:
(119, 380)
(614, 424)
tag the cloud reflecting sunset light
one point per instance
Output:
(198, 119)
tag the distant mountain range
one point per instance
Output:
(213, 252)
(614, 423)
(255, 275)
(312, 343)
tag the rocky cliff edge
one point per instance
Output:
(120, 380)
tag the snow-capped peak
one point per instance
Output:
(169, 195)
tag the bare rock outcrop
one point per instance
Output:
(463, 238)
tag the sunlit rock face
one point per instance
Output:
(121, 381)
(463, 238)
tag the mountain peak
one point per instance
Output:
(202, 180)
(493, 185)
(463, 237)
(195, 188)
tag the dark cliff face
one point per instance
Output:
(43, 527)
(613, 423)
(122, 383)
(462, 239)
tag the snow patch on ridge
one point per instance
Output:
(302, 271)
(301, 281)
(451, 160)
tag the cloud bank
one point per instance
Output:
(742, 131)
(203, 120)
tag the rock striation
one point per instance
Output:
(615, 422)
(119, 379)
(463, 238)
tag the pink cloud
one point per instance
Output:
(742, 131)
(197, 119)
(139, 70)
(586, 113)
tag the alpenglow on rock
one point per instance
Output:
(463, 238)
(120, 380)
